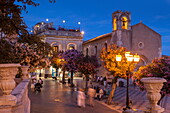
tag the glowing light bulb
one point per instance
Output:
(82, 32)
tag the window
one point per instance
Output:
(95, 50)
(124, 23)
(105, 46)
(55, 48)
(71, 46)
(87, 51)
(141, 45)
(115, 24)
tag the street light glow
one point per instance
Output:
(127, 54)
(82, 32)
(130, 58)
(46, 19)
(64, 21)
(136, 58)
(118, 57)
(79, 23)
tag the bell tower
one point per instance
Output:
(121, 20)
(121, 29)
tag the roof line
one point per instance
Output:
(97, 38)
(147, 27)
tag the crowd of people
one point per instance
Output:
(94, 91)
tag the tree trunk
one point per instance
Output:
(72, 85)
(63, 79)
(109, 100)
(162, 96)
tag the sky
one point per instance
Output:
(96, 15)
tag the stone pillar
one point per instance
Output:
(25, 72)
(7, 83)
(153, 86)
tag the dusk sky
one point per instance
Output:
(96, 15)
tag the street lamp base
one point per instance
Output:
(133, 111)
(127, 108)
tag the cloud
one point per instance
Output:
(159, 17)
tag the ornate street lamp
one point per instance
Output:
(130, 59)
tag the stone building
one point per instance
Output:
(137, 38)
(60, 39)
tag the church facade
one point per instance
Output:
(137, 38)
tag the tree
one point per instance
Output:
(159, 67)
(88, 66)
(36, 49)
(10, 16)
(116, 69)
(58, 62)
(72, 57)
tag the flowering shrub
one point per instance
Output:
(88, 65)
(72, 57)
(109, 61)
(159, 67)
(14, 52)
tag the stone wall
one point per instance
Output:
(23, 102)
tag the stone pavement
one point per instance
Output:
(58, 98)
(137, 96)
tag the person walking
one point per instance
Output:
(97, 92)
(91, 93)
(104, 81)
(81, 98)
(101, 92)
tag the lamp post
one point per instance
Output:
(130, 59)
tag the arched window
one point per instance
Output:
(55, 48)
(115, 24)
(71, 46)
(105, 45)
(124, 23)
(87, 51)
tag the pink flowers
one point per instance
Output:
(158, 68)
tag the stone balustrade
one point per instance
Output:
(23, 102)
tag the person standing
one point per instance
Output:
(91, 93)
(81, 98)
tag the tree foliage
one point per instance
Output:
(10, 16)
(72, 58)
(109, 61)
(57, 60)
(159, 67)
(88, 65)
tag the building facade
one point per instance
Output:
(137, 38)
(60, 39)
